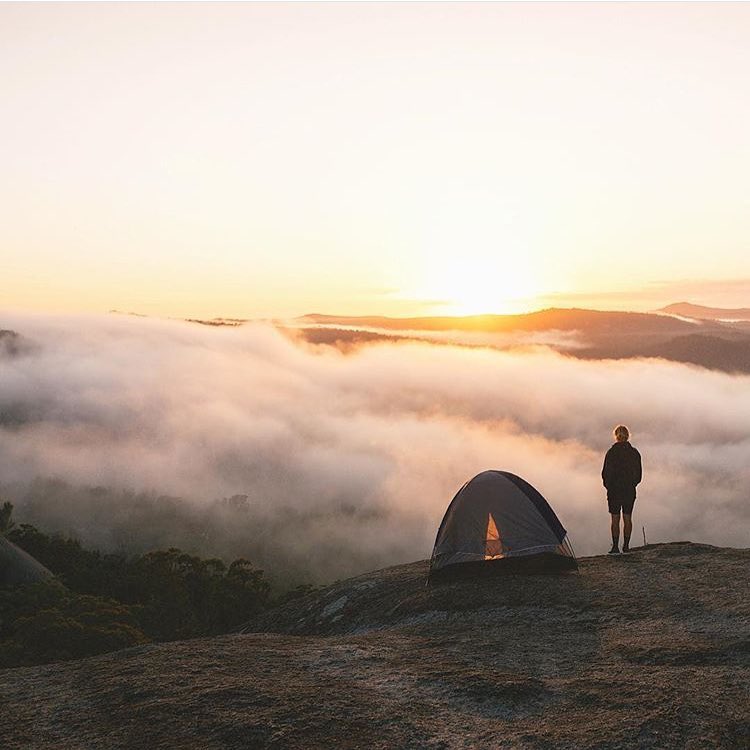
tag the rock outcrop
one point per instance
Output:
(650, 650)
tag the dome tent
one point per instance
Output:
(18, 567)
(499, 523)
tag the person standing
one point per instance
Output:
(621, 472)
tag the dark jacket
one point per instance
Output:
(622, 471)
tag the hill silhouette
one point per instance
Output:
(649, 650)
(712, 352)
(591, 334)
(700, 312)
(592, 322)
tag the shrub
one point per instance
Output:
(172, 594)
(46, 622)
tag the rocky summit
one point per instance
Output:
(648, 650)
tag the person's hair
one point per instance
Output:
(622, 433)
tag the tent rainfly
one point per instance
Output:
(498, 523)
(18, 567)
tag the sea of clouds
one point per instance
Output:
(133, 433)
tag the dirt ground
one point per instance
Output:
(650, 650)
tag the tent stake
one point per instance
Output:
(644, 537)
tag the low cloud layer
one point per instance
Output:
(132, 432)
(559, 340)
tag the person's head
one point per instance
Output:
(622, 433)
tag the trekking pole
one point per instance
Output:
(644, 536)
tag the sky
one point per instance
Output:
(271, 160)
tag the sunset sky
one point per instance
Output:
(248, 160)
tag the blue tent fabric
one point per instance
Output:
(499, 516)
(541, 504)
(18, 567)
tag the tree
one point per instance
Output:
(6, 522)
(45, 622)
(171, 594)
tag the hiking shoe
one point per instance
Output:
(615, 550)
(625, 550)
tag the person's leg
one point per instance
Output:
(615, 526)
(627, 530)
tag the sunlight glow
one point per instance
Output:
(277, 159)
(468, 287)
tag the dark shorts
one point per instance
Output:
(620, 503)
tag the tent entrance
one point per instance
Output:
(493, 545)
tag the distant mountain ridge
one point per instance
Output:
(699, 312)
(553, 318)
(721, 343)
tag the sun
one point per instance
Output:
(477, 288)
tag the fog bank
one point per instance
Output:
(132, 432)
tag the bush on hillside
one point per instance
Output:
(6, 523)
(179, 595)
(46, 622)
(184, 596)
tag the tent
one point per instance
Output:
(498, 523)
(18, 567)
